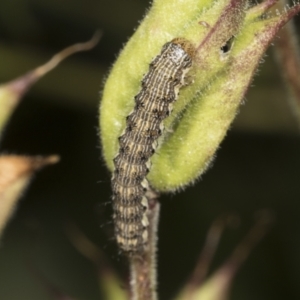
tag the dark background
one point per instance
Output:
(257, 166)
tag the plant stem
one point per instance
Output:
(143, 279)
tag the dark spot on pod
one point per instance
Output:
(227, 46)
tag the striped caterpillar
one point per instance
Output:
(159, 90)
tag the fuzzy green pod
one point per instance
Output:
(229, 39)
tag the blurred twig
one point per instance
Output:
(84, 76)
(218, 285)
(287, 52)
(108, 280)
(210, 246)
(57, 58)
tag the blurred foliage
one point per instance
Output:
(257, 166)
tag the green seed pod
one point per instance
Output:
(229, 39)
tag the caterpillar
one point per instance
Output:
(154, 102)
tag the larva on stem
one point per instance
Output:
(160, 88)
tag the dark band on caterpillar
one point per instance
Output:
(154, 102)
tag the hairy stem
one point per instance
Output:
(143, 268)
